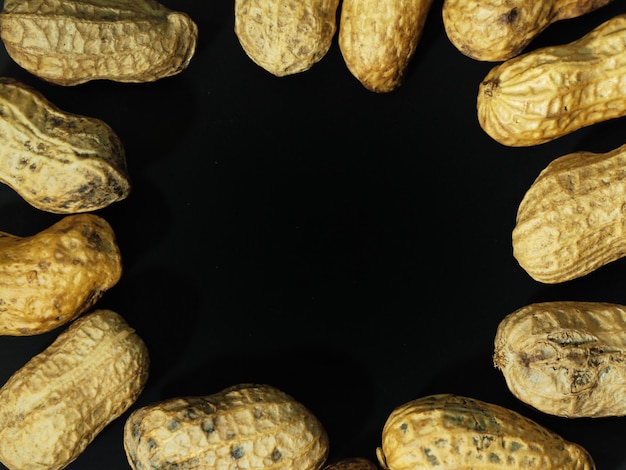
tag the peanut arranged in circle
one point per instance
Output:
(60, 400)
(72, 42)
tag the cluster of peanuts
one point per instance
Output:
(562, 358)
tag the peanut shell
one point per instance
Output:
(58, 402)
(73, 42)
(450, 431)
(50, 278)
(243, 426)
(565, 358)
(285, 37)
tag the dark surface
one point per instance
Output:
(350, 248)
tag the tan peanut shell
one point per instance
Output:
(50, 278)
(243, 426)
(285, 37)
(455, 432)
(73, 42)
(378, 39)
(57, 161)
(553, 91)
(571, 222)
(496, 30)
(58, 402)
(565, 358)
(355, 463)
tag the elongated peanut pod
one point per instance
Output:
(378, 39)
(285, 37)
(50, 278)
(58, 402)
(571, 221)
(565, 358)
(496, 30)
(73, 42)
(553, 91)
(450, 431)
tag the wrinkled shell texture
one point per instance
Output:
(565, 358)
(50, 278)
(56, 161)
(68, 43)
(496, 30)
(61, 399)
(450, 431)
(378, 39)
(553, 91)
(571, 220)
(244, 426)
(356, 463)
(285, 37)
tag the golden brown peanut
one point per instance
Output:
(58, 402)
(72, 42)
(356, 463)
(496, 30)
(450, 431)
(50, 278)
(285, 37)
(57, 161)
(243, 426)
(565, 358)
(549, 92)
(571, 220)
(378, 39)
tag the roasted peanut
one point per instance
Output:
(72, 42)
(243, 426)
(58, 402)
(552, 91)
(495, 30)
(565, 358)
(50, 278)
(57, 161)
(450, 431)
(571, 220)
(378, 39)
(285, 37)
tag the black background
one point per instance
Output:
(351, 248)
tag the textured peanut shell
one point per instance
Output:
(378, 39)
(243, 426)
(553, 91)
(58, 402)
(496, 30)
(571, 220)
(356, 463)
(57, 161)
(565, 358)
(285, 37)
(73, 42)
(454, 432)
(50, 278)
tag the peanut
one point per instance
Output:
(552, 91)
(494, 31)
(378, 39)
(571, 221)
(57, 161)
(58, 402)
(243, 426)
(450, 431)
(50, 278)
(73, 42)
(565, 358)
(285, 37)
(356, 463)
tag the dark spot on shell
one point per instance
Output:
(172, 425)
(276, 455)
(208, 426)
(237, 452)
(192, 413)
(510, 16)
(404, 427)
(152, 444)
(136, 431)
